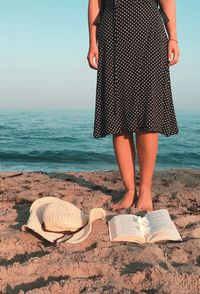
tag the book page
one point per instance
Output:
(124, 227)
(169, 234)
(161, 224)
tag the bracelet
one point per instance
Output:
(173, 40)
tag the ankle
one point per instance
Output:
(130, 187)
(145, 187)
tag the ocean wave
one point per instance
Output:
(65, 139)
(3, 127)
(68, 156)
(39, 138)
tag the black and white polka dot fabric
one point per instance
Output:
(133, 90)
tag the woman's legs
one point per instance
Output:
(147, 147)
(125, 154)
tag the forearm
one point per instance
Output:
(169, 7)
(94, 7)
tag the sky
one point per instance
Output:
(43, 55)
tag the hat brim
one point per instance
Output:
(35, 219)
(35, 222)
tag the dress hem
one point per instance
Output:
(134, 130)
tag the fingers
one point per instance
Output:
(93, 59)
(170, 55)
(173, 55)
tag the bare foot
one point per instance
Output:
(145, 200)
(126, 201)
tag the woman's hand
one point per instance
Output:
(173, 52)
(92, 56)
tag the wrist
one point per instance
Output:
(93, 44)
(93, 40)
(173, 36)
(173, 39)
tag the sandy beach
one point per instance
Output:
(29, 264)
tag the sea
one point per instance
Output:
(62, 140)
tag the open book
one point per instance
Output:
(155, 226)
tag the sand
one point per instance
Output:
(29, 264)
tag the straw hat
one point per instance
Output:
(57, 220)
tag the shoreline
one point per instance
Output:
(9, 172)
(97, 265)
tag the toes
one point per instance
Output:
(151, 208)
(147, 209)
(116, 207)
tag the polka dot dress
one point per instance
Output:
(133, 90)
